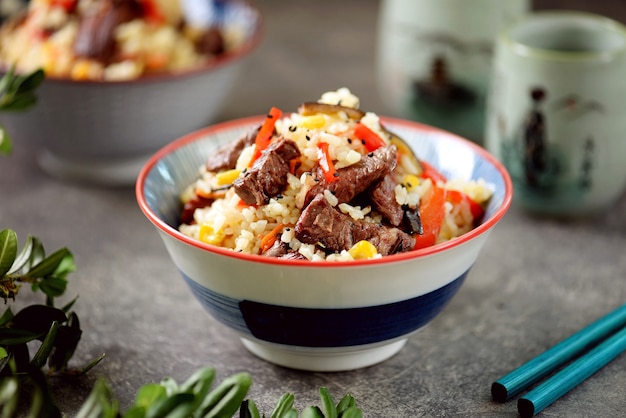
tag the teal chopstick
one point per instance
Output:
(531, 372)
(565, 380)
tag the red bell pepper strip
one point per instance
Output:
(430, 172)
(458, 197)
(264, 136)
(431, 212)
(369, 138)
(326, 163)
(67, 5)
(152, 12)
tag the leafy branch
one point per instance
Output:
(196, 398)
(17, 93)
(56, 329)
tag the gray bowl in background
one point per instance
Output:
(103, 132)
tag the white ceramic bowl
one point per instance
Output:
(103, 132)
(322, 316)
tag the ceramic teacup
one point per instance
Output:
(556, 113)
(434, 59)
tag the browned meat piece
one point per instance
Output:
(278, 249)
(322, 224)
(356, 178)
(225, 157)
(383, 198)
(281, 250)
(95, 32)
(210, 42)
(186, 216)
(268, 175)
(293, 255)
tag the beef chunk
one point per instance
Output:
(225, 157)
(293, 255)
(268, 175)
(281, 250)
(186, 216)
(210, 42)
(383, 197)
(322, 224)
(356, 178)
(95, 38)
(278, 249)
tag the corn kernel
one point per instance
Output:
(209, 235)
(48, 54)
(85, 70)
(410, 182)
(313, 121)
(363, 250)
(226, 177)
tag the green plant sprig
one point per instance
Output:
(56, 329)
(197, 398)
(17, 93)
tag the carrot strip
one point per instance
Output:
(270, 238)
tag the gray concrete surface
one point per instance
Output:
(537, 281)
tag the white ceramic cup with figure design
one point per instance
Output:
(557, 111)
(434, 58)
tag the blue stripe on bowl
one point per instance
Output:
(309, 327)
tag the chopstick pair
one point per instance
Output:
(605, 339)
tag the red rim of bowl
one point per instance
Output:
(240, 52)
(437, 248)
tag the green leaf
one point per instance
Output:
(6, 317)
(9, 395)
(19, 103)
(100, 403)
(179, 405)
(8, 250)
(200, 382)
(170, 385)
(18, 91)
(10, 336)
(53, 286)
(226, 398)
(346, 402)
(7, 80)
(149, 394)
(249, 410)
(30, 82)
(24, 255)
(46, 347)
(69, 305)
(6, 146)
(38, 318)
(283, 406)
(312, 412)
(352, 412)
(37, 254)
(330, 411)
(49, 265)
(65, 344)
